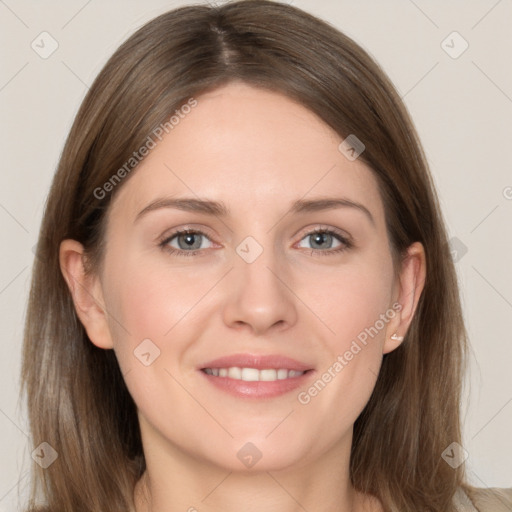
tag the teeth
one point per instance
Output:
(250, 374)
(253, 374)
(268, 375)
(282, 374)
(235, 373)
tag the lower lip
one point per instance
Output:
(257, 389)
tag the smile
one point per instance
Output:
(254, 374)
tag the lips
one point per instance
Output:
(257, 376)
(258, 362)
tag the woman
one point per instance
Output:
(244, 296)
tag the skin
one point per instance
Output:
(256, 151)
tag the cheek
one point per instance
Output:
(356, 306)
(151, 298)
(352, 302)
(150, 305)
(151, 301)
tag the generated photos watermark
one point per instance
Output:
(150, 143)
(305, 397)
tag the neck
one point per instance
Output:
(174, 481)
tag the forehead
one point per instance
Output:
(253, 149)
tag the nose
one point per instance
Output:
(258, 296)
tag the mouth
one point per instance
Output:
(253, 376)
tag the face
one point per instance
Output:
(249, 285)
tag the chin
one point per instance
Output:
(256, 455)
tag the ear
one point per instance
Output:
(411, 282)
(86, 292)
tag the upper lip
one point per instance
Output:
(260, 362)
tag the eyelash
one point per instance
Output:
(346, 243)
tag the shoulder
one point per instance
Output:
(472, 499)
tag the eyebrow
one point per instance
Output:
(219, 209)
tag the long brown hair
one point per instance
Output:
(77, 400)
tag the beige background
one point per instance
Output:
(462, 108)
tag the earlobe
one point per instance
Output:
(392, 342)
(86, 293)
(411, 284)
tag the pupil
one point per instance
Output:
(321, 238)
(188, 241)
